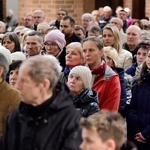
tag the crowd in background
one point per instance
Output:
(59, 77)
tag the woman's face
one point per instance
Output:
(108, 37)
(13, 77)
(10, 45)
(75, 84)
(148, 60)
(109, 60)
(73, 58)
(141, 55)
(52, 48)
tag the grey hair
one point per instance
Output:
(87, 16)
(96, 40)
(4, 64)
(44, 67)
(3, 25)
(39, 11)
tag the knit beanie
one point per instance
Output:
(84, 73)
(6, 53)
(18, 56)
(56, 36)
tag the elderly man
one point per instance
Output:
(46, 118)
(9, 97)
(133, 37)
(34, 43)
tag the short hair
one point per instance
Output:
(13, 37)
(108, 125)
(62, 9)
(34, 33)
(4, 63)
(39, 11)
(44, 67)
(72, 21)
(96, 30)
(77, 46)
(94, 39)
(139, 22)
(87, 16)
(14, 65)
(78, 27)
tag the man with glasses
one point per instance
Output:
(28, 21)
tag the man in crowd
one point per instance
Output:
(46, 118)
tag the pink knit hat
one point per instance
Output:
(56, 36)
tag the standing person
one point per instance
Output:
(60, 14)
(105, 80)
(67, 25)
(138, 121)
(46, 118)
(85, 99)
(10, 21)
(9, 97)
(103, 131)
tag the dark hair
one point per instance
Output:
(61, 9)
(13, 37)
(33, 33)
(139, 22)
(72, 21)
(129, 146)
(14, 65)
(95, 29)
(78, 27)
(144, 45)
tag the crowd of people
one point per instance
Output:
(65, 86)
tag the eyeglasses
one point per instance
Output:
(27, 19)
(38, 17)
(52, 45)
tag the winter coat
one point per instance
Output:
(9, 100)
(86, 102)
(108, 89)
(54, 127)
(139, 115)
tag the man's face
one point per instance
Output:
(30, 90)
(133, 36)
(79, 33)
(60, 14)
(92, 54)
(33, 45)
(92, 141)
(96, 15)
(28, 21)
(65, 27)
(38, 18)
(122, 15)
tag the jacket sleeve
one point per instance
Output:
(112, 98)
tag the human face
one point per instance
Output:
(13, 77)
(116, 23)
(141, 55)
(133, 36)
(92, 54)
(28, 21)
(51, 48)
(10, 45)
(38, 18)
(73, 58)
(108, 37)
(65, 27)
(30, 91)
(33, 46)
(148, 60)
(75, 84)
(92, 141)
(96, 15)
(79, 33)
(122, 15)
(60, 14)
(85, 22)
(109, 60)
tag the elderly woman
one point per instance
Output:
(54, 43)
(80, 83)
(74, 57)
(11, 42)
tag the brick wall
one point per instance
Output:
(128, 3)
(147, 8)
(50, 7)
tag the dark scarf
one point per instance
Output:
(66, 71)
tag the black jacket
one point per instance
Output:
(54, 127)
(87, 102)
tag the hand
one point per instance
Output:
(139, 137)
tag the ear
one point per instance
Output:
(45, 84)
(111, 145)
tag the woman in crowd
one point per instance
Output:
(111, 37)
(80, 83)
(138, 121)
(74, 57)
(11, 42)
(111, 57)
(13, 72)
